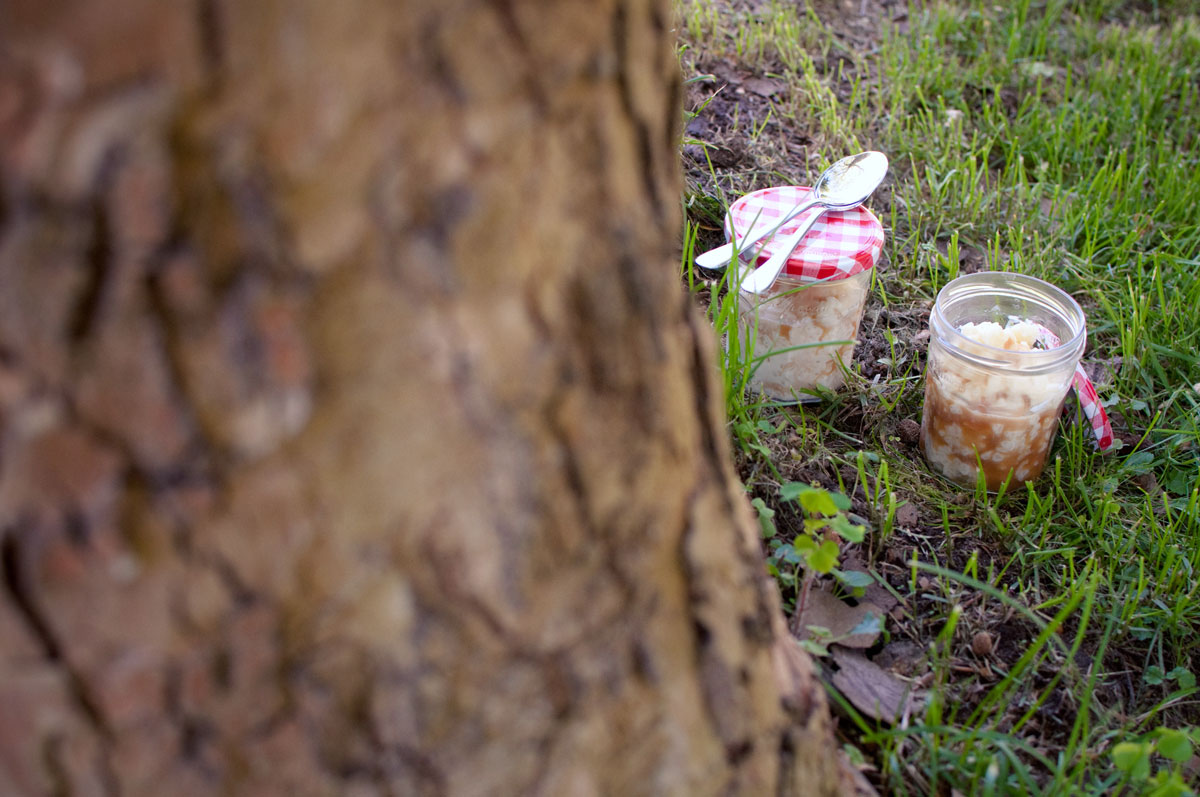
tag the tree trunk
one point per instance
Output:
(355, 435)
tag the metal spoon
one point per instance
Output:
(720, 256)
(844, 185)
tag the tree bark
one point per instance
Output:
(355, 435)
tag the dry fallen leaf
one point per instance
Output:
(903, 657)
(873, 690)
(824, 610)
(881, 597)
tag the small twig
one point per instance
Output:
(809, 577)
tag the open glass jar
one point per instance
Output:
(989, 407)
(803, 328)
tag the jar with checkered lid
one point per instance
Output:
(803, 328)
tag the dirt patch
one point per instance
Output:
(859, 24)
(734, 141)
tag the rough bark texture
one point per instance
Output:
(355, 436)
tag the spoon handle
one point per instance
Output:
(763, 277)
(720, 256)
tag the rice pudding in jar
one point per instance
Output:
(1002, 354)
(803, 327)
(804, 333)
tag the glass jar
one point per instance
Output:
(803, 328)
(992, 408)
(804, 333)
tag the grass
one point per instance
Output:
(1055, 138)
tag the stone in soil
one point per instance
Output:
(907, 516)
(909, 431)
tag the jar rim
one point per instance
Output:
(1001, 283)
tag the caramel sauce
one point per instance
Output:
(954, 432)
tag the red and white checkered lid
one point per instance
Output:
(841, 243)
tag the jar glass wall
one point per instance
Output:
(804, 332)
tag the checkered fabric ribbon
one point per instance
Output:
(1089, 399)
(841, 243)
